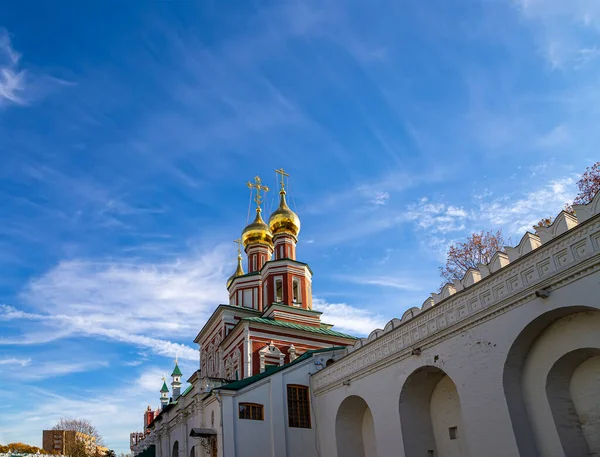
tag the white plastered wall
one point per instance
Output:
(569, 334)
(585, 392)
(445, 413)
(475, 360)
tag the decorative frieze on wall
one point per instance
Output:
(533, 261)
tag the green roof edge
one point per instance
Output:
(307, 328)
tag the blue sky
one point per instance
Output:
(127, 132)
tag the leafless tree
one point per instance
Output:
(479, 248)
(588, 185)
(78, 425)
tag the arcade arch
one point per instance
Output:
(550, 384)
(431, 416)
(354, 429)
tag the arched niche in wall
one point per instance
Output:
(431, 415)
(354, 429)
(547, 378)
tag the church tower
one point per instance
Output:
(164, 394)
(176, 383)
(284, 225)
(269, 319)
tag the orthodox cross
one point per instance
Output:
(283, 174)
(239, 245)
(258, 186)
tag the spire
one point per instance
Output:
(176, 383)
(164, 394)
(239, 271)
(176, 370)
(164, 389)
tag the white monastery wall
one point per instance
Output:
(586, 398)
(271, 436)
(512, 337)
(445, 413)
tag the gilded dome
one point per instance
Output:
(257, 232)
(283, 219)
(239, 271)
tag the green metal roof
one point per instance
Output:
(164, 387)
(186, 391)
(305, 328)
(237, 385)
(176, 370)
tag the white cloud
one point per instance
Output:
(565, 29)
(12, 79)
(115, 412)
(54, 369)
(437, 217)
(19, 85)
(15, 361)
(149, 380)
(140, 304)
(380, 198)
(518, 215)
(385, 281)
(347, 318)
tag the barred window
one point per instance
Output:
(251, 411)
(298, 406)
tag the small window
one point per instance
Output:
(278, 290)
(296, 291)
(251, 411)
(298, 406)
(253, 263)
(453, 432)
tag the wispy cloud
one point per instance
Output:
(383, 281)
(141, 304)
(12, 79)
(519, 214)
(437, 217)
(56, 368)
(15, 361)
(565, 29)
(17, 84)
(348, 318)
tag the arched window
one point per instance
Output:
(175, 449)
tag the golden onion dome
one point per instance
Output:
(257, 232)
(283, 219)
